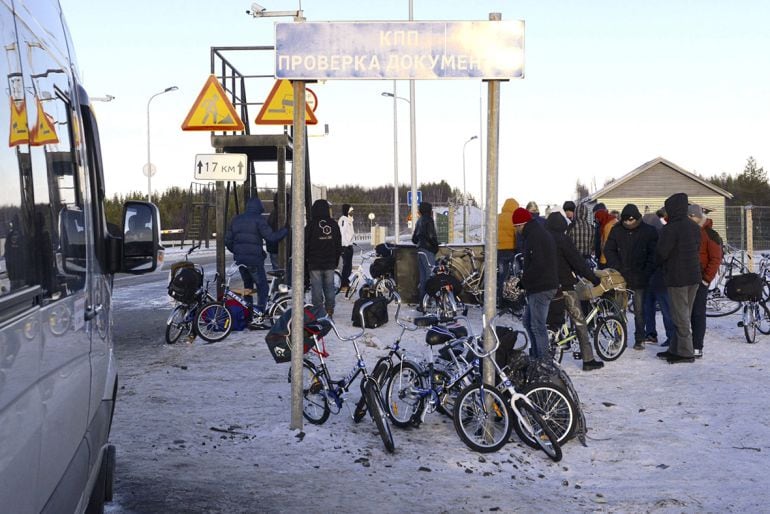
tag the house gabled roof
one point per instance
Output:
(647, 165)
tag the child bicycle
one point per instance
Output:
(360, 279)
(609, 334)
(322, 395)
(482, 416)
(214, 322)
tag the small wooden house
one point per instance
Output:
(650, 184)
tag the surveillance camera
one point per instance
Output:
(256, 8)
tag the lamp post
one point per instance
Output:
(149, 169)
(395, 156)
(465, 195)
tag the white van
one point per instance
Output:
(57, 257)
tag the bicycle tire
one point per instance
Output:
(750, 322)
(384, 287)
(280, 306)
(337, 282)
(175, 324)
(764, 319)
(557, 407)
(377, 412)
(353, 287)
(541, 436)
(610, 338)
(213, 322)
(556, 348)
(315, 403)
(718, 305)
(480, 430)
(404, 403)
(379, 374)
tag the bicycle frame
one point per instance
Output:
(359, 275)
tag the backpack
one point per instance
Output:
(185, 282)
(375, 315)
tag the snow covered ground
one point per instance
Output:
(208, 426)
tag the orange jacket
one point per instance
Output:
(606, 222)
(506, 237)
(710, 255)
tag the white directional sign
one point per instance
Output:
(221, 166)
(421, 50)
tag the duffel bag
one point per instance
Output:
(375, 315)
(745, 287)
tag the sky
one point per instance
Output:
(205, 428)
(608, 86)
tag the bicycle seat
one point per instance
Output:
(319, 327)
(442, 334)
(278, 273)
(426, 321)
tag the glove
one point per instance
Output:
(595, 280)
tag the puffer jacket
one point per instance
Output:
(631, 250)
(710, 256)
(323, 241)
(247, 232)
(569, 262)
(679, 245)
(506, 236)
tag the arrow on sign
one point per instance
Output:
(200, 166)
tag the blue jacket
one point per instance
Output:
(247, 231)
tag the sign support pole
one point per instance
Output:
(298, 254)
(490, 230)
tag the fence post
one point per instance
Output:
(750, 237)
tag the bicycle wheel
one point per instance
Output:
(384, 287)
(535, 432)
(610, 338)
(750, 322)
(353, 287)
(213, 322)
(556, 348)
(377, 411)
(608, 307)
(176, 325)
(315, 403)
(380, 375)
(337, 281)
(402, 393)
(558, 410)
(280, 306)
(764, 319)
(718, 304)
(482, 418)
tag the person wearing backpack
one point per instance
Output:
(245, 238)
(323, 246)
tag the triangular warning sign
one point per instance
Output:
(43, 133)
(212, 110)
(19, 133)
(278, 109)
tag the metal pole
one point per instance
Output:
(490, 231)
(465, 202)
(395, 163)
(149, 163)
(298, 254)
(413, 135)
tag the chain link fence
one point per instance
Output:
(737, 221)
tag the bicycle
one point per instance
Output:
(717, 302)
(360, 279)
(482, 415)
(214, 322)
(470, 275)
(414, 389)
(608, 330)
(441, 292)
(322, 395)
(756, 315)
(181, 320)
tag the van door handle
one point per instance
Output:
(92, 312)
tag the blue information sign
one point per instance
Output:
(409, 197)
(420, 50)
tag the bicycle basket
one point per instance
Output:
(745, 287)
(610, 280)
(278, 339)
(186, 280)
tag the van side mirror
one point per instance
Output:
(142, 251)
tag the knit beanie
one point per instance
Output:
(521, 216)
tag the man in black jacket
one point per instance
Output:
(569, 263)
(677, 251)
(323, 245)
(630, 249)
(426, 239)
(539, 279)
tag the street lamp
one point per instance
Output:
(465, 196)
(149, 169)
(395, 155)
(105, 98)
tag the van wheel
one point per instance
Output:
(109, 477)
(102, 490)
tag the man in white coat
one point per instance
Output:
(346, 229)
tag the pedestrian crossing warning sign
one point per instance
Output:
(212, 110)
(43, 133)
(19, 134)
(278, 109)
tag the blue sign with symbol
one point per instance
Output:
(409, 198)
